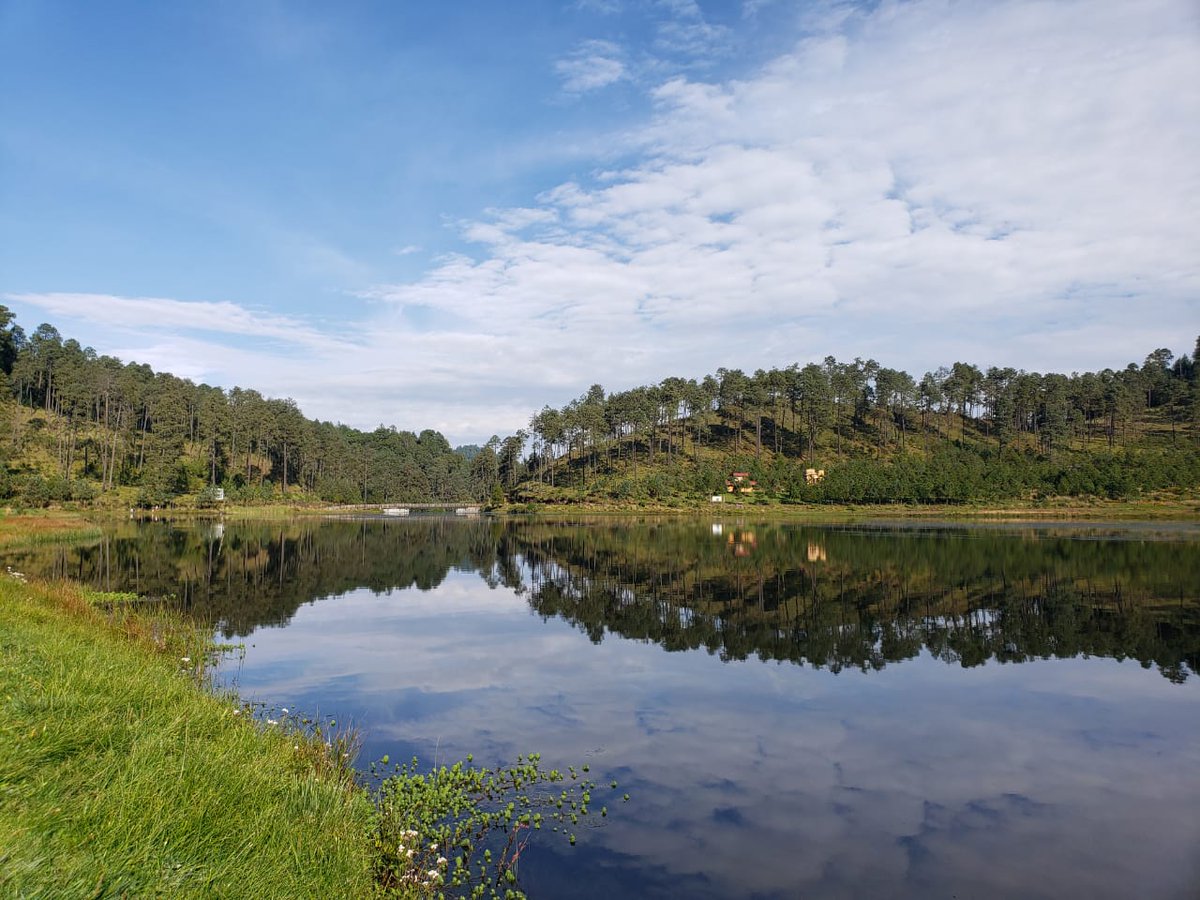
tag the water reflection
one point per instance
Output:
(851, 761)
(833, 598)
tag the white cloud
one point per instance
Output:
(685, 31)
(603, 7)
(920, 183)
(592, 65)
(750, 8)
(167, 315)
(1012, 183)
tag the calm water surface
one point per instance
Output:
(866, 711)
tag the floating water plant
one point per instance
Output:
(463, 828)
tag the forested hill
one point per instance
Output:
(75, 425)
(78, 426)
(876, 434)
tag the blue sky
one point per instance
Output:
(447, 215)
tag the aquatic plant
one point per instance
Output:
(463, 828)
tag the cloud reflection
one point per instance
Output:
(1054, 778)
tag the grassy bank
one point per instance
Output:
(1149, 508)
(44, 526)
(817, 513)
(120, 777)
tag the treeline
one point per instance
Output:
(75, 425)
(101, 424)
(957, 433)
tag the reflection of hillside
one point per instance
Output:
(255, 574)
(836, 599)
(832, 598)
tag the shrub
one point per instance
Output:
(84, 491)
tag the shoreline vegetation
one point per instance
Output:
(123, 773)
(71, 522)
(124, 776)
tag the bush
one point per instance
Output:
(537, 492)
(31, 490)
(658, 486)
(210, 496)
(35, 490)
(84, 491)
(155, 492)
(627, 489)
(252, 493)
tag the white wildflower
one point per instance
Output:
(272, 722)
(434, 874)
(284, 711)
(185, 659)
(442, 860)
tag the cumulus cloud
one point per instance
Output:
(1011, 183)
(920, 182)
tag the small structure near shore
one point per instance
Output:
(740, 483)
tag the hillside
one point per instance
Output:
(878, 435)
(78, 426)
(75, 426)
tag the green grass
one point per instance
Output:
(828, 513)
(121, 776)
(29, 527)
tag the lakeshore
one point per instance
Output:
(348, 614)
(126, 772)
(124, 776)
(873, 671)
(79, 522)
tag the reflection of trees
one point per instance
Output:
(250, 574)
(832, 598)
(966, 597)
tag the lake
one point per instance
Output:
(869, 710)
